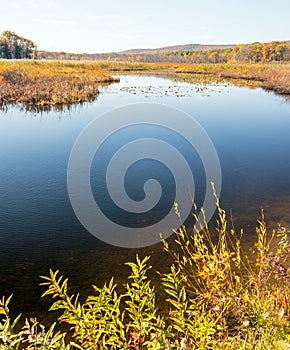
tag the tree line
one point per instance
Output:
(275, 51)
(13, 46)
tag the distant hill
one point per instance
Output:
(13, 46)
(159, 54)
(188, 53)
(185, 47)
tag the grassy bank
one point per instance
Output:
(275, 77)
(218, 296)
(41, 84)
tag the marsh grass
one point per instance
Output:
(274, 77)
(270, 76)
(44, 84)
(39, 84)
(219, 297)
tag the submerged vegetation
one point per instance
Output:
(218, 297)
(38, 85)
(69, 79)
(218, 294)
(274, 77)
(270, 76)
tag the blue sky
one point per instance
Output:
(106, 26)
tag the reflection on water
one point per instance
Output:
(38, 229)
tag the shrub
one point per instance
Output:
(220, 297)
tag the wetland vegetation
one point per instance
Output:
(217, 293)
(275, 77)
(42, 84)
(218, 296)
(38, 84)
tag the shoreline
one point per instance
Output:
(272, 77)
(40, 85)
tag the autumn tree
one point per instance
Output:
(275, 51)
(15, 47)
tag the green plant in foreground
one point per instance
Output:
(32, 335)
(219, 297)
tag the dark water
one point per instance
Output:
(38, 228)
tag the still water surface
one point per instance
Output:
(250, 130)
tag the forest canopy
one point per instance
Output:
(275, 51)
(13, 46)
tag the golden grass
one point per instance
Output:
(219, 296)
(274, 77)
(41, 84)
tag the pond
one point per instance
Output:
(249, 128)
